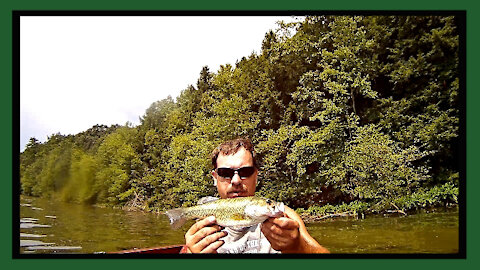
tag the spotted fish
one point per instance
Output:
(235, 212)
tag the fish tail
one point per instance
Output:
(177, 217)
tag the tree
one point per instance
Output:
(117, 166)
(155, 116)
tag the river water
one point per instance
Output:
(48, 226)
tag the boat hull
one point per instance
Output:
(175, 249)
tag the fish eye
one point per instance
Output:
(269, 201)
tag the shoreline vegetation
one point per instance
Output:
(350, 115)
(433, 202)
(445, 197)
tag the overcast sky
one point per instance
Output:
(80, 71)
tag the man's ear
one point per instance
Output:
(214, 176)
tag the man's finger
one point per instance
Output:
(285, 223)
(271, 234)
(269, 227)
(203, 233)
(206, 242)
(212, 248)
(200, 224)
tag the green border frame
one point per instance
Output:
(8, 143)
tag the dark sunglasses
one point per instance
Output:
(228, 173)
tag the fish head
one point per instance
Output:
(275, 209)
(265, 210)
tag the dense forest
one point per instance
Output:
(356, 112)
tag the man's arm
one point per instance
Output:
(288, 234)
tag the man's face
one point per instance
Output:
(235, 187)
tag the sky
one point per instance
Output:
(79, 71)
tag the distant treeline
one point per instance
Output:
(342, 109)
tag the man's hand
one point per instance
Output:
(288, 234)
(203, 236)
(282, 233)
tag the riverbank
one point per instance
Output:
(443, 196)
(355, 209)
(311, 218)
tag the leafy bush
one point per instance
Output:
(437, 195)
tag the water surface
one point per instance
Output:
(48, 226)
(433, 232)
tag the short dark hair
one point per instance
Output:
(231, 147)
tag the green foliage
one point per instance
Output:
(186, 174)
(156, 115)
(438, 195)
(374, 167)
(45, 168)
(353, 208)
(90, 139)
(362, 107)
(117, 161)
(435, 196)
(80, 187)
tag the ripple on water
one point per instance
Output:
(33, 246)
(33, 225)
(28, 220)
(32, 243)
(30, 235)
(53, 248)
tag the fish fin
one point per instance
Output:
(176, 217)
(207, 199)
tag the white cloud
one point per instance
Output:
(80, 71)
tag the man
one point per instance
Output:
(286, 234)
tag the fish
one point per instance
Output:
(237, 212)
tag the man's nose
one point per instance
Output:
(236, 179)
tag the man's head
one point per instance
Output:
(235, 169)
